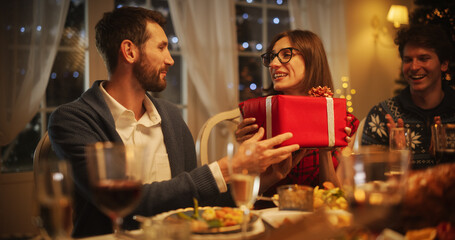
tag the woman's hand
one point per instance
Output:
(348, 131)
(246, 129)
(326, 169)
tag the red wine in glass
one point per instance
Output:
(115, 172)
(118, 197)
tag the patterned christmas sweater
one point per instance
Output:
(416, 119)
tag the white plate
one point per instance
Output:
(257, 228)
(276, 217)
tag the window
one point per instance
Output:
(68, 80)
(66, 83)
(257, 22)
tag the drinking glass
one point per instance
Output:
(399, 138)
(171, 229)
(443, 138)
(375, 186)
(115, 176)
(244, 179)
(54, 189)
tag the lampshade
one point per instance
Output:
(398, 14)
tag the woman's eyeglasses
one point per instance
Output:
(284, 56)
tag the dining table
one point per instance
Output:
(260, 229)
(272, 223)
(427, 207)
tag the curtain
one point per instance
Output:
(30, 35)
(325, 18)
(206, 32)
(207, 36)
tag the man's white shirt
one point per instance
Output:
(147, 132)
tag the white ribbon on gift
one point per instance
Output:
(330, 122)
(268, 117)
(330, 119)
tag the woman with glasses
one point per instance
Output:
(297, 62)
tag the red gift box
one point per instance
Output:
(315, 122)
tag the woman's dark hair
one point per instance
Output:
(317, 71)
(121, 24)
(426, 36)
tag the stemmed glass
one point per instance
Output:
(244, 179)
(115, 176)
(54, 189)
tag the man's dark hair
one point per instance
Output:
(426, 36)
(121, 24)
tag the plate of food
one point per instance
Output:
(208, 220)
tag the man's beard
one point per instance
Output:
(148, 78)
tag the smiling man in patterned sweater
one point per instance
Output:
(425, 52)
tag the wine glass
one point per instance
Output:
(115, 176)
(244, 179)
(54, 189)
(375, 186)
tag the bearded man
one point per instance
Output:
(134, 47)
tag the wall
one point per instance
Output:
(374, 64)
(17, 205)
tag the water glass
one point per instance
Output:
(443, 141)
(54, 190)
(171, 229)
(244, 179)
(376, 185)
(399, 138)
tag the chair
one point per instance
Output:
(42, 151)
(204, 134)
(358, 135)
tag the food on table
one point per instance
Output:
(331, 197)
(429, 197)
(212, 217)
(425, 233)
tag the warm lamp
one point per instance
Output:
(398, 14)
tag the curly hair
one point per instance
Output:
(426, 36)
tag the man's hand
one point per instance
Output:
(265, 151)
(391, 123)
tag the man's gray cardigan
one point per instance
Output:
(88, 120)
